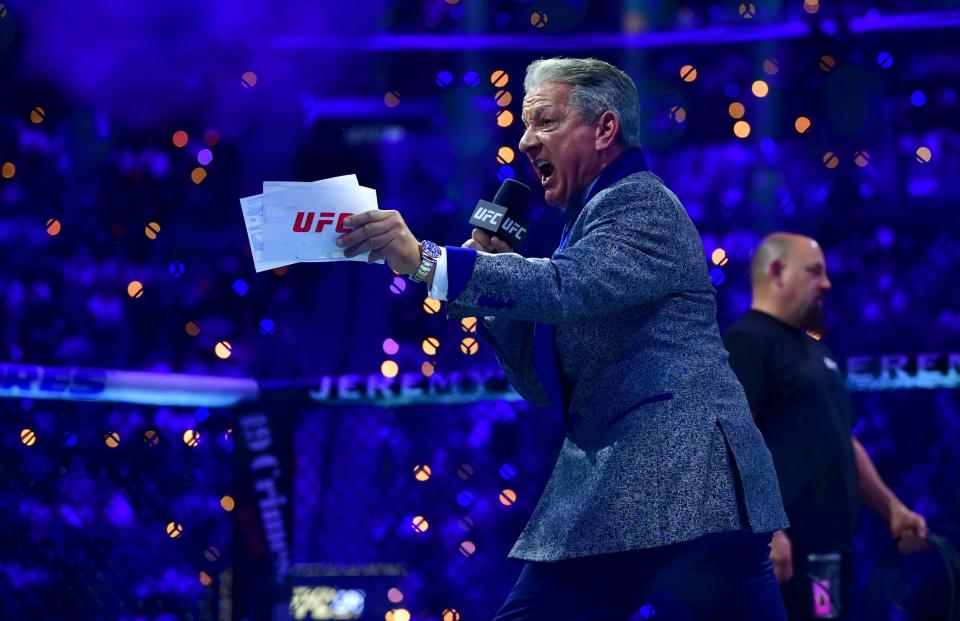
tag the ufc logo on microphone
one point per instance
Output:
(513, 228)
(305, 220)
(482, 214)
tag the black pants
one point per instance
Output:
(725, 576)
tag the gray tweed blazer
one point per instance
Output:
(660, 443)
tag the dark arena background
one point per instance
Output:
(183, 438)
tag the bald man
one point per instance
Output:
(800, 404)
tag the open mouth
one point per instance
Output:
(544, 169)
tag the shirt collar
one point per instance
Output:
(627, 163)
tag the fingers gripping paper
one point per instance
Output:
(293, 222)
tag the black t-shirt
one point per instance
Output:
(801, 406)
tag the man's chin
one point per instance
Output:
(551, 199)
(813, 319)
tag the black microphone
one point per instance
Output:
(506, 216)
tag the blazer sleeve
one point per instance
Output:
(636, 248)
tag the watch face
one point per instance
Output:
(430, 249)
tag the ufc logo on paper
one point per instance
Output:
(304, 221)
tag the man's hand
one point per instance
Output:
(384, 235)
(781, 555)
(908, 528)
(482, 240)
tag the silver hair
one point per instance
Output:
(598, 86)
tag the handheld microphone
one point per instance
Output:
(506, 216)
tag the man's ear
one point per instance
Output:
(776, 272)
(608, 129)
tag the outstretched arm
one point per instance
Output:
(906, 526)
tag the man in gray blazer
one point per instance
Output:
(664, 486)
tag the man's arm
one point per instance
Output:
(908, 527)
(638, 246)
(635, 249)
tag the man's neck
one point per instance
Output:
(769, 308)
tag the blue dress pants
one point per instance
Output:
(723, 576)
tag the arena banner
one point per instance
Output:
(263, 522)
(929, 370)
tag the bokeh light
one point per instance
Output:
(135, 289)
(504, 118)
(248, 79)
(223, 349)
(151, 230)
(430, 345)
(771, 66)
(227, 503)
(719, 257)
(688, 73)
(539, 19)
(422, 472)
(923, 155)
(198, 174)
(390, 347)
(191, 437)
(802, 124)
(736, 110)
(398, 286)
(741, 129)
(180, 139)
(443, 79)
(37, 115)
(505, 155)
(759, 88)
(28, 437)
(174, 529)
(53, 227)
(469, 346)
(419, 524)
(431, 306)
(389, 368)
(8, 170)
(499, 78)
